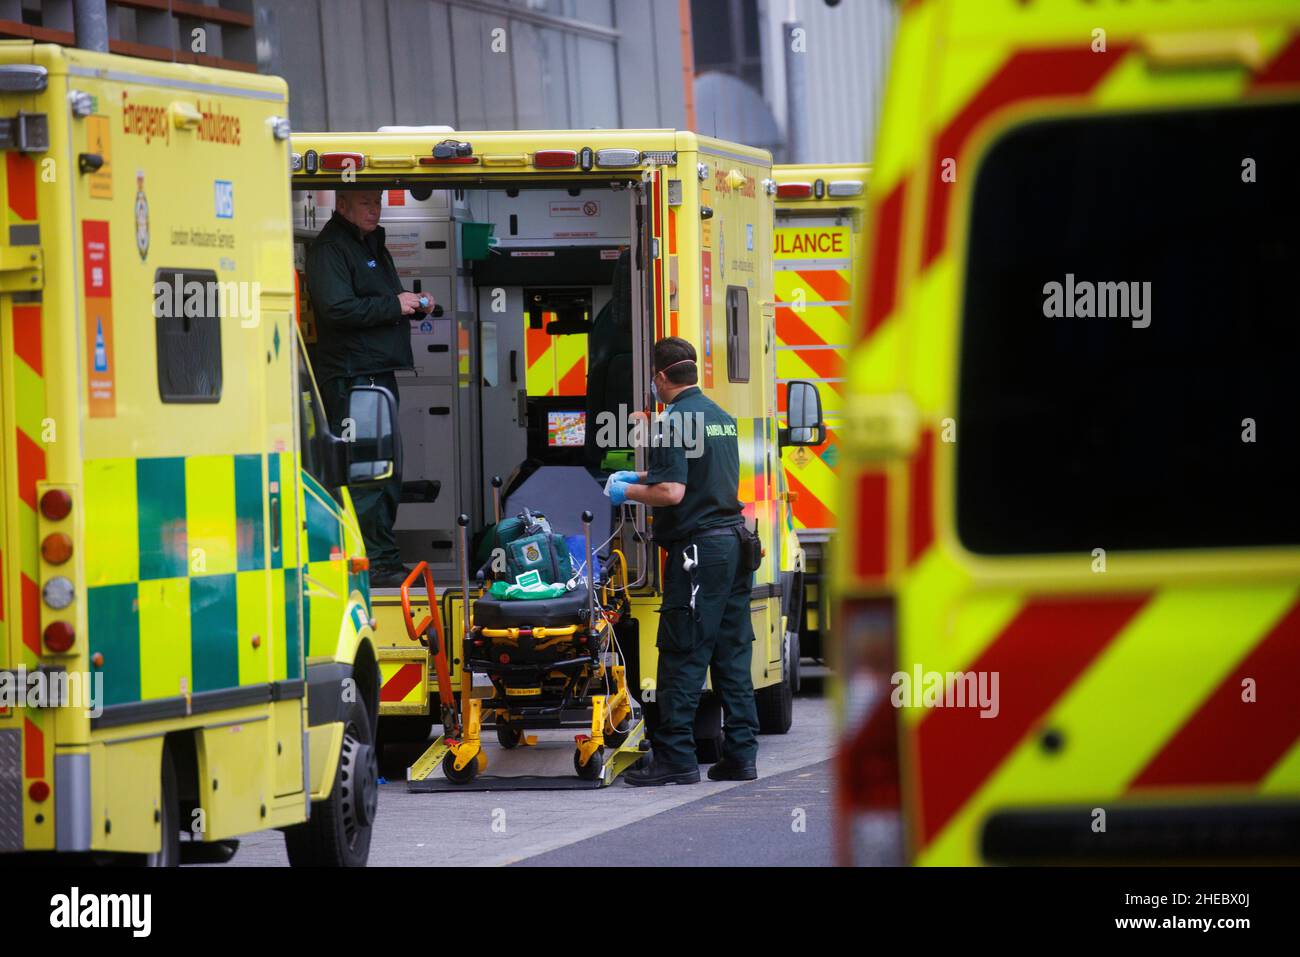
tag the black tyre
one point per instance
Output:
(793, 626)
(616, 736)
(169, 851)
(338, 832)
(465, 775)
(592, 769)
(509, 735)
(775, 703)
(708, 729)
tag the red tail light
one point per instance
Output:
(39, 792)
(59, 636)
(342, 161)
(555, 159)
(56, 504)
(793, 190)
(869, 771)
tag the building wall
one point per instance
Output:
(475, 64)
(846, 62)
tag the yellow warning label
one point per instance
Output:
(523, 691)
(100, 140)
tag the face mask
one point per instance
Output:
(654, 389)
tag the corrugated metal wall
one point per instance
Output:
(360, 64)
(847, 60)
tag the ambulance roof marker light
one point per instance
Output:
(555, 159)
(844, 187)
(586, 159)
(794, 190)
(310, 161)
(819, 188)
(617, 158)
(340, 161)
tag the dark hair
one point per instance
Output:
(674, 349)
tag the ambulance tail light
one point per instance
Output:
(555, 159)
(59, 637)
(844, 187)
(337, 162)
(794, 190)
(56, 504)
(868, 769)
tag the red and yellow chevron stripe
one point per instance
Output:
(556, 365)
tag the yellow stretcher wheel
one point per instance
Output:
(591, 770)
(466, 774)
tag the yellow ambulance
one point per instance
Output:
(186, 647)
(1070, 613)
(816, 258)
(558, 258)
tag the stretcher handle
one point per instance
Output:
(416, 632)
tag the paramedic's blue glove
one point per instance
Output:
(631, 478)
(618, 492)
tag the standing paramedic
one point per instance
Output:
(364, 336)
(704, 623)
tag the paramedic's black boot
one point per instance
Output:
(731, 770)
(654, 774)
(388, 577)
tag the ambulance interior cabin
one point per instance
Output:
(537, 282)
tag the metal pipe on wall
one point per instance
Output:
(90, 24)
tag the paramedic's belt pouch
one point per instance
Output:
(751, 549)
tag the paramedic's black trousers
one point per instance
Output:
(719, 635)
(376, 506)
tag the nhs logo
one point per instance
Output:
(225, 198)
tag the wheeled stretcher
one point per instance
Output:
(529, 664)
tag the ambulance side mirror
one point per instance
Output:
(375, 447)
(803, 414)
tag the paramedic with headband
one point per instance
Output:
(704, 622)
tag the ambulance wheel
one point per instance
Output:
(465, 775)
(775, 703)
(591, 770)
(708, 729)
(338, 832)
(510, 735)
(169, 851)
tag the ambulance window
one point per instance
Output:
(1129, 341)
(737, 333)
(312, 423)
(187, 323)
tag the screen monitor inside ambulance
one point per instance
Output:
(566, 428)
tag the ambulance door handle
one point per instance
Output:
(514, 371)
(275, 523)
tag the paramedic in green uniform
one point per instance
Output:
(704, 622)
(363, 315)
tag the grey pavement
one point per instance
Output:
(755, 820)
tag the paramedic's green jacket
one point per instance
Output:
(354, 286)
(710, 468)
